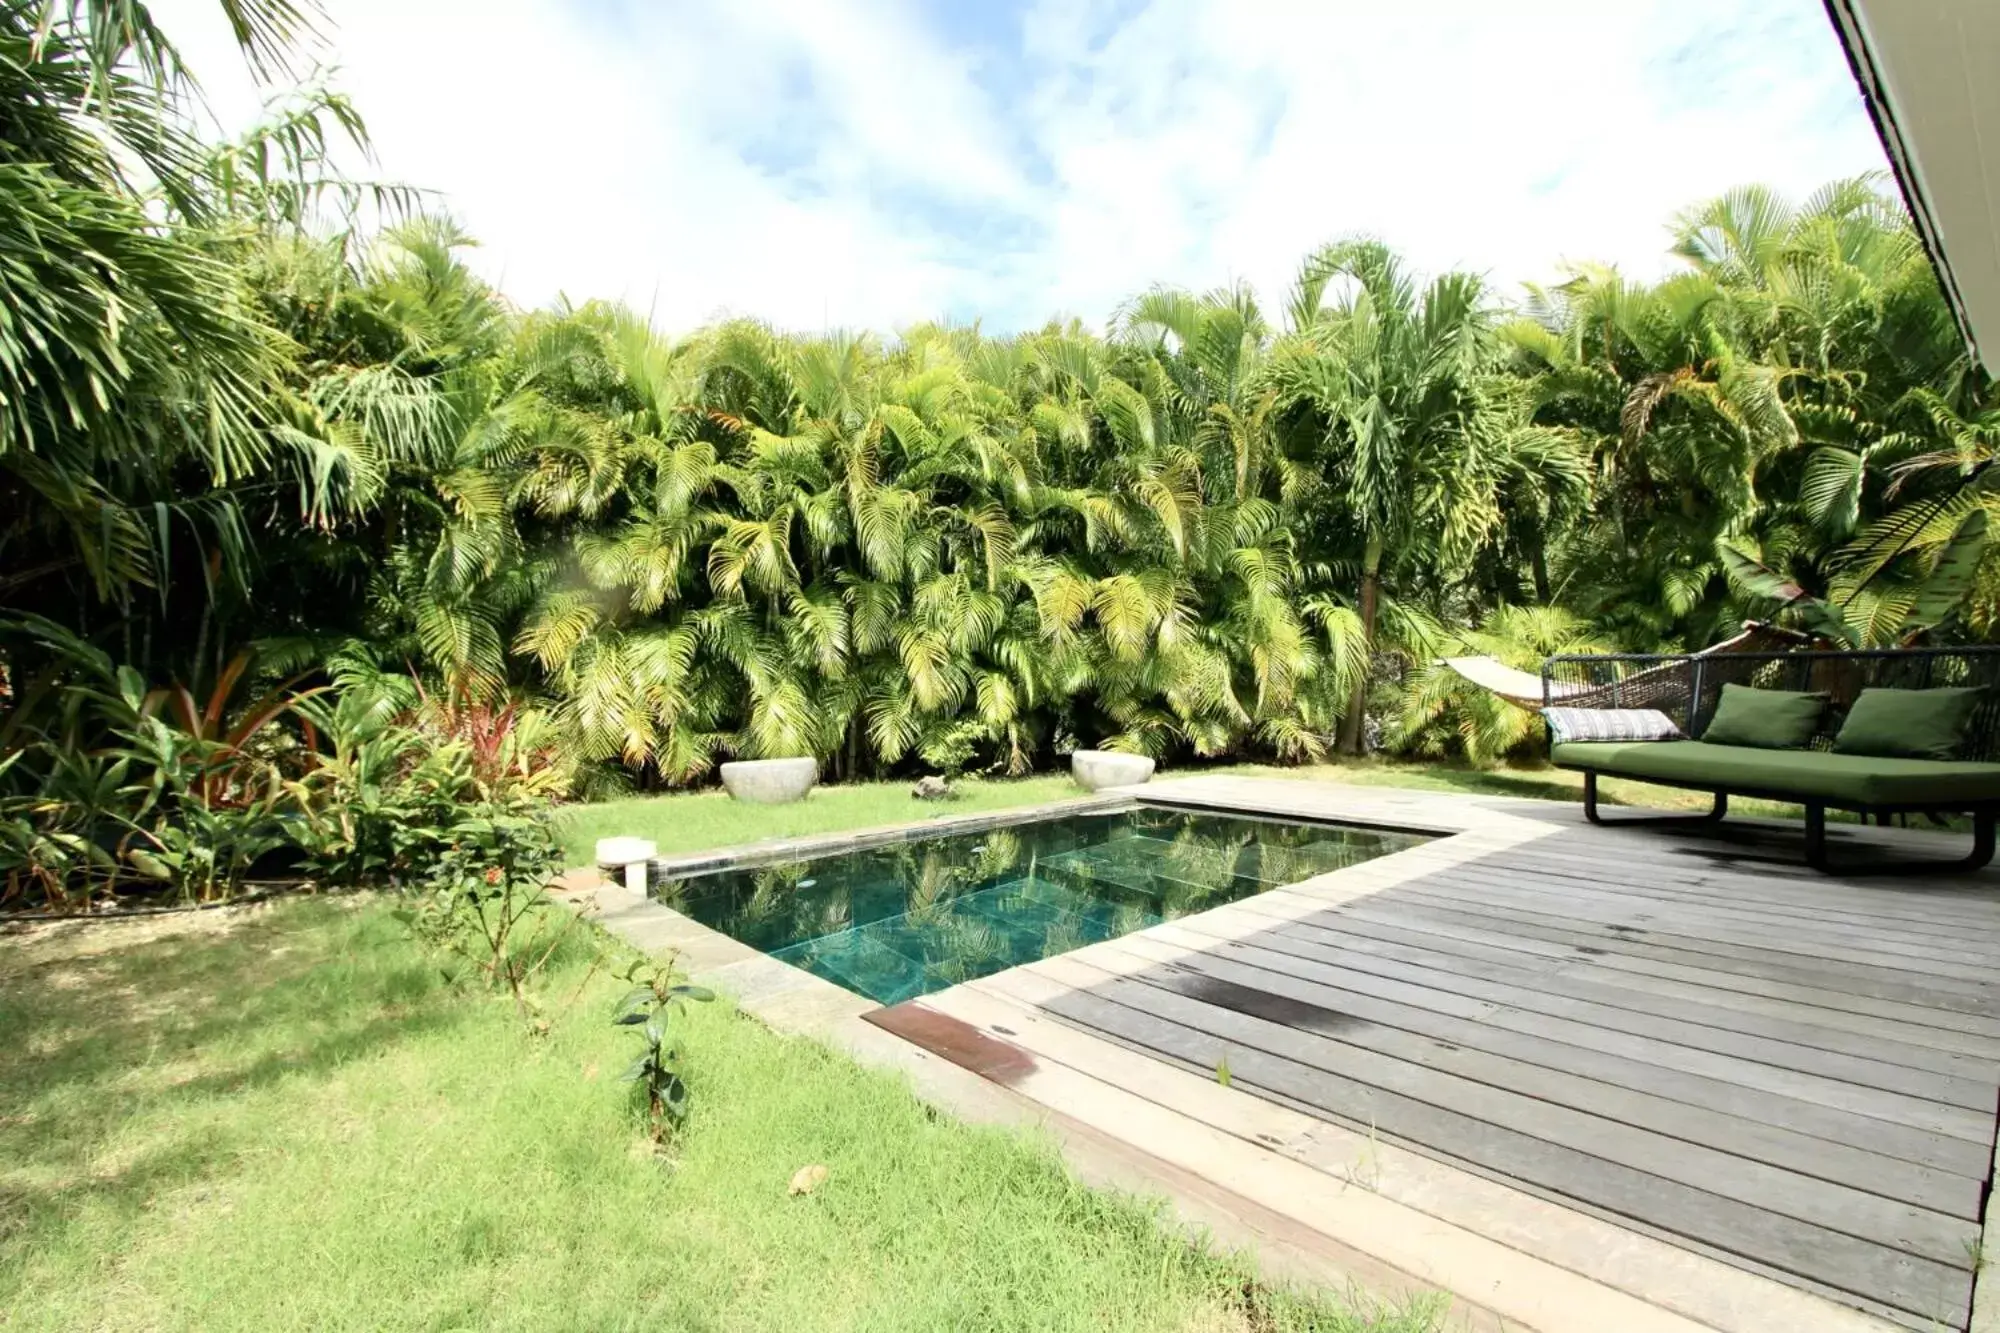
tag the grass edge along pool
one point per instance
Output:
(900, 919)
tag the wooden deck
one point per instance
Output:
(1681, 1071)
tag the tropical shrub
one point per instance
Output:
(480, 894)
(106, 780)
(109, 786)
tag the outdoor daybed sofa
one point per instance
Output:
(1927, 741)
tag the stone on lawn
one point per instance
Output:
(931, 788)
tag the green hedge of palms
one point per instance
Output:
(245, 400)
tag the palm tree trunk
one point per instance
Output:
(1538, 560)
(1371, 588)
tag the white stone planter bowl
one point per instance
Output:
(770, 781)
(1095, 770)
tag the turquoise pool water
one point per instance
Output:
(902, 920)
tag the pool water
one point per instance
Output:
(897, 921)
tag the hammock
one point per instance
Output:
(1523, 689)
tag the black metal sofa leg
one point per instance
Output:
(1979, 857)
(1816, 838)
(1590, 811)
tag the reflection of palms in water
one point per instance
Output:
(1128, 917)
(836, 912)
(966, 947)
(1041, 893)
(932, 883)
(1064, 934)
(771, 893)
(672, 894)
(1000, 854)
(1199, 867)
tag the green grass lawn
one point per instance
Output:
(697, 821)
(282, 1117)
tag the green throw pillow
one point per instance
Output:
(1908, 724)
(1765, 719)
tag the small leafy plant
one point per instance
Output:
(651, 1006)
(482, 897)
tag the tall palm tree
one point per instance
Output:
(1378, 380)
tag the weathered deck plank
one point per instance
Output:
(1955, 1080)
(1746, 1123)
(1719, 925)
(1819, 1128)
(1714, 891)
(1720, 981)
(1906, 1040)
(1892, 1043)
(1882, 1104)
(1859, 980)
(1959, 944)
(1903, 1279)
(1718, 1295)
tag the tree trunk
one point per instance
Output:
(1539, 562)
(1357, 708)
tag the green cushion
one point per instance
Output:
(1911, 724)
(1836, 779)
(1766, 719)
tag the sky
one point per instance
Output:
(876, 163)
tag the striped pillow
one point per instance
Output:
(1609, 724)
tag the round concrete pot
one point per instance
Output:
(1095, 770)
(770, 781)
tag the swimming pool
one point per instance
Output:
(896, 921)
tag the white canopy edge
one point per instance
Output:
(1930, 73)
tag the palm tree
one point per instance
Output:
(1753, 413)
(1379, 387)
(151, 430)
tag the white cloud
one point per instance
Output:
(850, 162)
